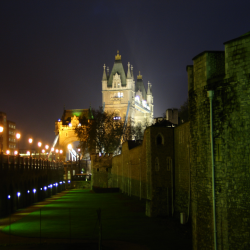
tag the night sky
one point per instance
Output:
(52, 52)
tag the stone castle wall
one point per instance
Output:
(101, 170)
(228, 74)
(146, 171)
(182, 183)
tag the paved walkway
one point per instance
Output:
(165, 233)
(12, 242)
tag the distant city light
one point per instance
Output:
(28, 191)
(68, 181)
(34, 190)
(70, 125)
(8, 196)
(18, 194)
(59, 120)
(45, 188)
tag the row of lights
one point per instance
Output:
(44, 188)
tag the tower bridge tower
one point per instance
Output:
(120, 94)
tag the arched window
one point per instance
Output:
(114, 84)
(159, 140)
(157, 165)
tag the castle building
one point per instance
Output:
(129, 100)
(8, 136)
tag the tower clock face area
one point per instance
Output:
(125, 96)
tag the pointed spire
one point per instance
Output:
(107, 72)
(118, 57)
(132, 74)
(104, 77)
(129, 74)
(139, 76)
(149, 89)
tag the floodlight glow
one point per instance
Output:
(69, 146)
(41, 188)
(28, 152)
(8, 196)
(59, 120)
(30, 140)
(18, 135)
(63, 181)
(47, 147)
(45, 188)
(79, 124)
(18, 194)
(7, 152)
(52, 149)
(56, 184)
(70, 125)
(15, 152)
(43, 151)
(68, 181)
(34, 190)
(57, 150)
(61, 151)
(39, 144)
(28, 191)
(60, 182)
(1, 129)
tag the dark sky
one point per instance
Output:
(52, 52)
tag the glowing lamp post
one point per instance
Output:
(43, 151)
(39, 146)
(61, 151)
(30, 142)
(47, 147)
(1, 137)
(18, 136)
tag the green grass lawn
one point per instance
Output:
(75, 215)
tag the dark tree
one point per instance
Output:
(102, 133)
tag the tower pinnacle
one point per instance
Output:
(104, 77)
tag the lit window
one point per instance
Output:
(119, 94)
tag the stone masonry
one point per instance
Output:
(228, 75)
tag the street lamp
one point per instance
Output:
(1, 142)
(43, 151)
(47, 147)
(30, 142)
(18, 136)
(61, 151)
(39, 145)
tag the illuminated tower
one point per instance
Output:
(121, 94)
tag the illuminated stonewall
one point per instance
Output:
(227, 73)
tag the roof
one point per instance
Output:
(238, 38)
(208, 51)
(117, 68)
(140, 86)
(163, 123)
(68, 113)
